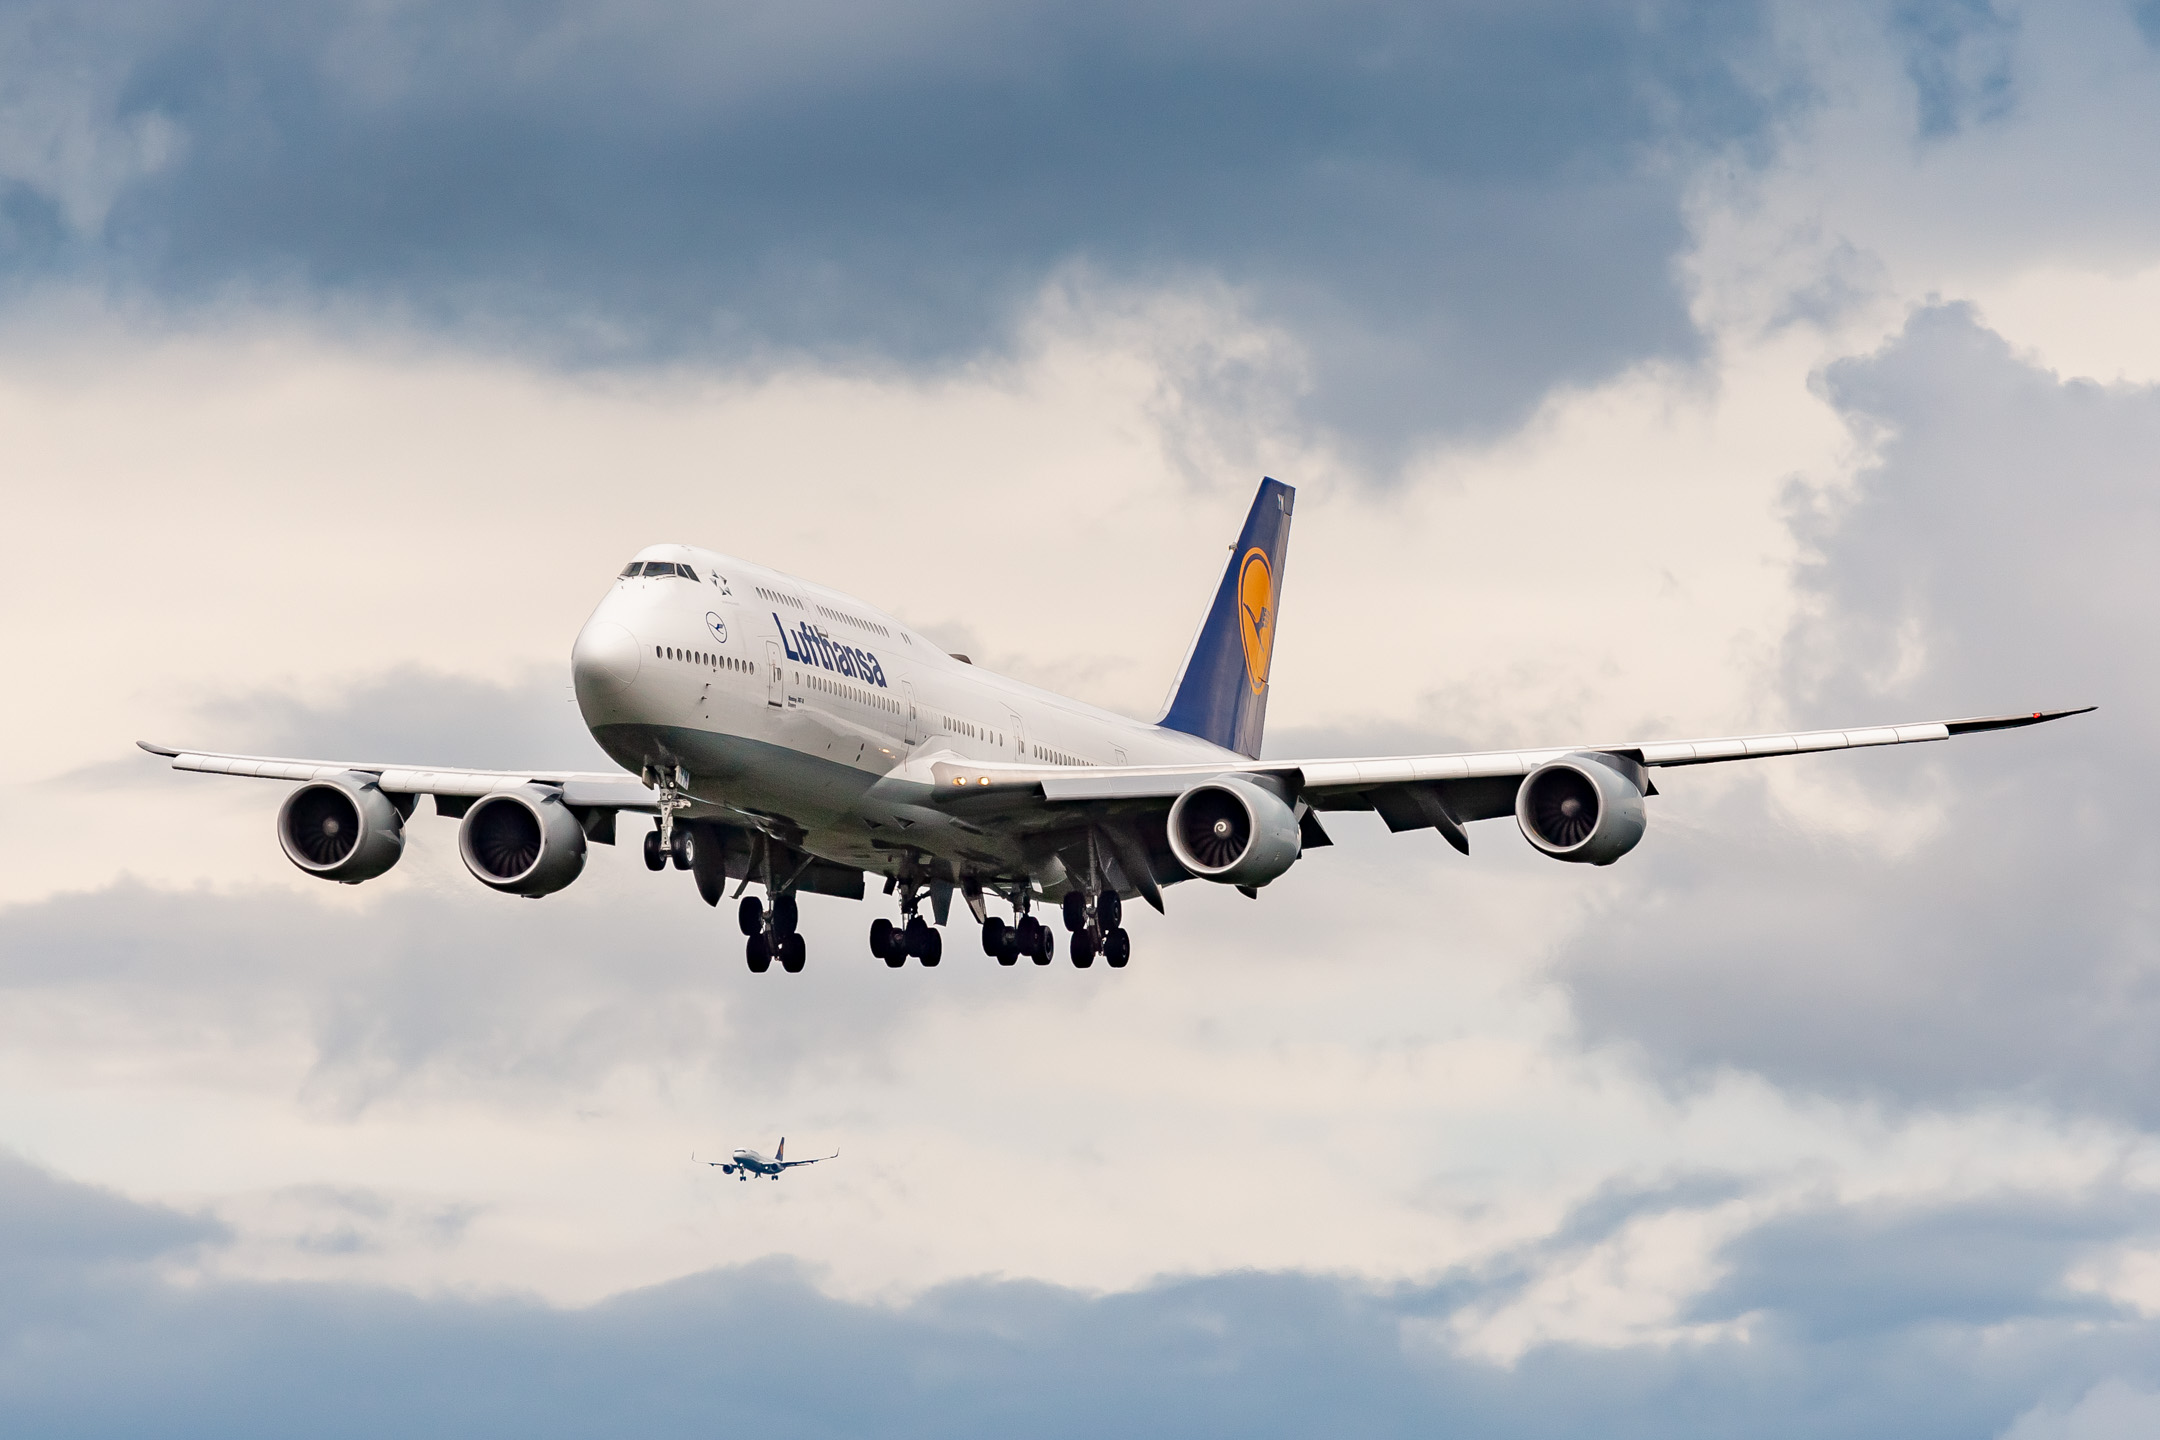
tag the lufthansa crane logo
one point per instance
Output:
(1256, 615)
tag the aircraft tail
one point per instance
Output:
(1221, 694)
(780, 1151)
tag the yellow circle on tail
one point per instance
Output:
(1256, 615)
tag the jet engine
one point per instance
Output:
(522, 842)
(343, 828)
(1233, 831)
(1580, 808)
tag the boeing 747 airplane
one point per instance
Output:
(795, 738)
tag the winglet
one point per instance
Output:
(166, 751)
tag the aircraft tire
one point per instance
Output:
(655, 859)
(1109, 911)
(881, 931)
(1083, 947)
(1008, 951)
(933, 949)
(918, 933)
(784, 915)
(1075, 911)
(1117, 948)
(1045, 946)
(993, 937)
(750, 915)
(792, 953)
(681, 849)
(759, 951)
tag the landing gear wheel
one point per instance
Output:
(1008, 949)
(792, 953)
(1117, 948)
(918, 932)
(750, 915)
(1083, 947)
(1075, 911)
(759, 950)
(1028, 933)
(655, 857)
(993, 936)
(784, 915)
(1109, 911)
(681, 850)
(1046, 947)
(933, 949)
(881, 931)
(896, 949)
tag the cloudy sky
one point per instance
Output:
(1646, 369)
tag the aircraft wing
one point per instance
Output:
(813, 1160)
(1440, 792)
(581, 789)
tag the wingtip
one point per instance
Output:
(2013, 722)
(167, 751)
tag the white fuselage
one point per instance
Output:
(783, 702)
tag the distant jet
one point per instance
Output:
(748, 1162)
(964, 782)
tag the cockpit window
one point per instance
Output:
(653, 569)
(686, 572)
(632, 570)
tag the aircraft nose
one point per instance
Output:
(604, 662)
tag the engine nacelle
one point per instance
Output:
(1581, 809)
(343, 828)
(1233, 831)
(522, 842)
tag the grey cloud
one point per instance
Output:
(1453, 207)
(1855, 1271)
(431, 989)
(1996, 558)
(759, 1347)
(1959, 56)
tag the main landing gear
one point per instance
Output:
(772, 934)
(1025, 936)
(913, 936)
(1096, 929)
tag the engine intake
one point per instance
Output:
(522, 842)
(1233, 831)
(343, 828)
(1579, 808)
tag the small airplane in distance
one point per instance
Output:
(748, 1162)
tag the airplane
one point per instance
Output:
(790, 736)
(748, 1162)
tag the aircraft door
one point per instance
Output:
(914, 723)
(775, 687)
(1019, 734)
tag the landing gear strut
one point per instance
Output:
(771, 928)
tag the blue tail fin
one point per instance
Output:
(1221, 695)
